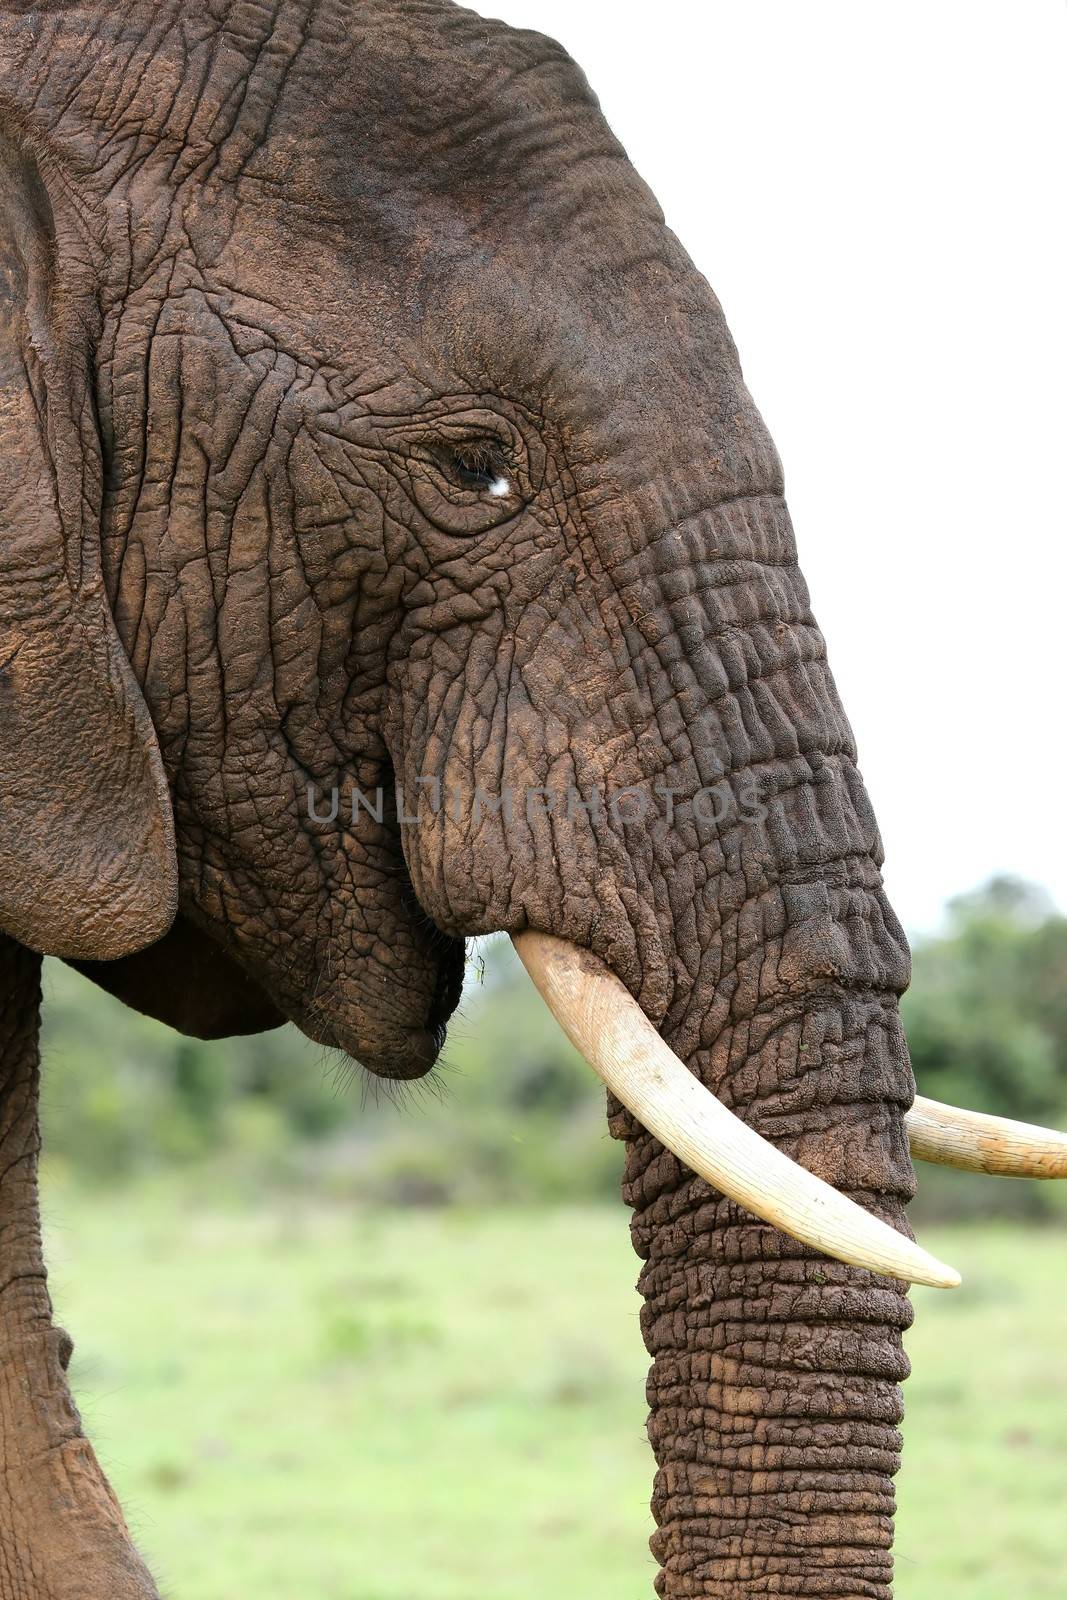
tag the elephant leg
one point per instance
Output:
(62, 1534)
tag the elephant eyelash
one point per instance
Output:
(479, 466)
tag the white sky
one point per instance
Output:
(876, 193)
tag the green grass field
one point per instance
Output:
(307, 1402)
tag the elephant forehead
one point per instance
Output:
(315, 94)
(407, 178)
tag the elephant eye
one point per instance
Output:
(479, 467)
(467, 472)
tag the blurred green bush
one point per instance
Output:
(986, 1019)
(512, 1114)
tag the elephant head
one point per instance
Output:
(393, 554)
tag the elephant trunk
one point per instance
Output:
(674, 658)
(58, 1515)
(774, 1386)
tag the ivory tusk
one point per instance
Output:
(607, 1026)
(976, 1142)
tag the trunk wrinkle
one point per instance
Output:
(774, 1391)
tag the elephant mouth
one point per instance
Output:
(401, 1056)
(415, 1052)
(403, 1051)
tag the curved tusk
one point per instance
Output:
(608, 1027)
(976, 1142)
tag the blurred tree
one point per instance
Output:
(986, 1016)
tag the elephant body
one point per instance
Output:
(366, 430)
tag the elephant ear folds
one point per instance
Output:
(87, 861)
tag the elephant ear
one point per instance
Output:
(87, 860)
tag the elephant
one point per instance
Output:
(391, 554)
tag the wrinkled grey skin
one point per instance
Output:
(292, 286)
